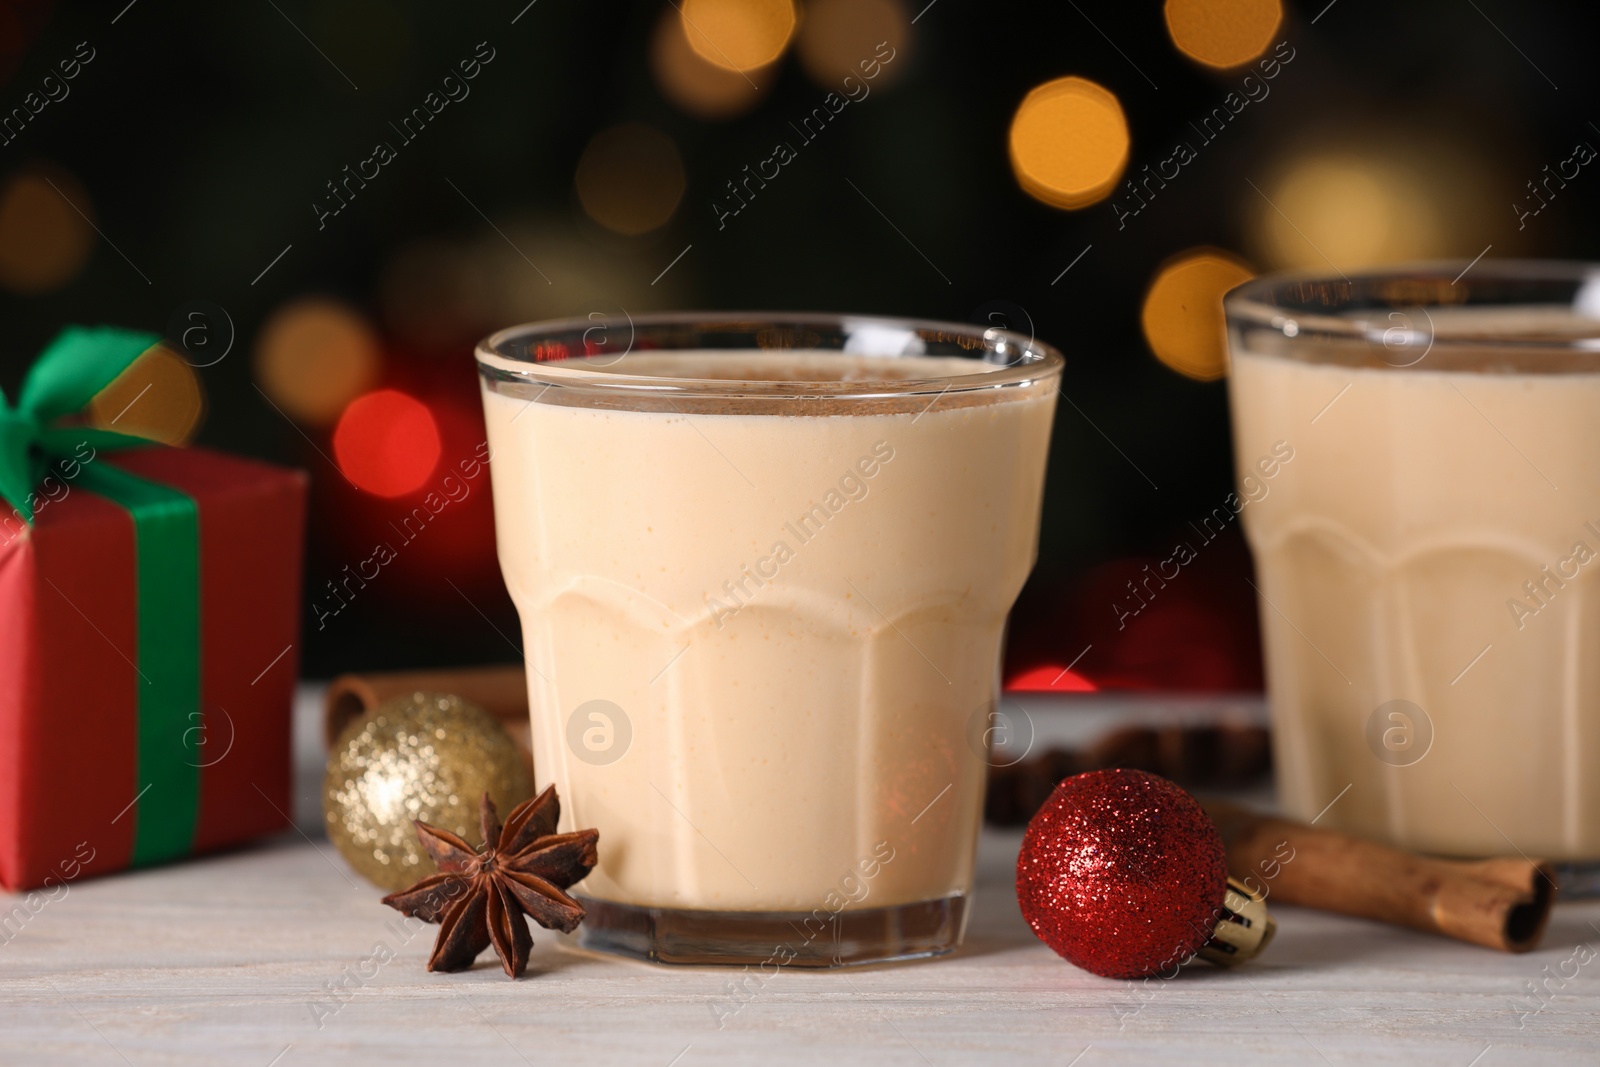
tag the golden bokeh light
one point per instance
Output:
(1182, 314)
(1069, 142)
(1346, 210)
(738, 35)
(158, 397)
(630, 178)
(44, 242)
(1223, 33)
(837, 36)
(697, 87)
(313, 356)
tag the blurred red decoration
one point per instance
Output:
(1050, 679)
(1189, 632)
(441, 529)
(1181, 645)
(1134, 624)
(387, 443)
(20, 23)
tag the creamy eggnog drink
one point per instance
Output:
(763, 571)
(1428, 563)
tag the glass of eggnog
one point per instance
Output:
(763, 565)
(1428, 563)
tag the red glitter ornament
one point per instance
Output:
(1122, 873)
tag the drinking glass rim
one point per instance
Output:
(1035, 360)
(1262, 302)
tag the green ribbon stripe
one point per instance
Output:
(166, 530)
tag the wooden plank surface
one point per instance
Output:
(270, 955)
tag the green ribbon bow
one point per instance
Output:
(79, 363)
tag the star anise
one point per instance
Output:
(479, 898)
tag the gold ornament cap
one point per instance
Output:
(1243, 930)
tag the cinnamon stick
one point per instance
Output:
(501, 691)
(1498, 903)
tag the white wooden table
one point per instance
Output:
(259, 957)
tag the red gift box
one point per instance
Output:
(76, 739)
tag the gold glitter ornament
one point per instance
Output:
(428, 756)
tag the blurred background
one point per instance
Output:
(324, 203)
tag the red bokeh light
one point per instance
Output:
(1050, 679)
(387, 443)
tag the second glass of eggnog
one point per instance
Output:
(1428, 561)
(763, 566)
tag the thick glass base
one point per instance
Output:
(1577, 879)
(774, 938)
